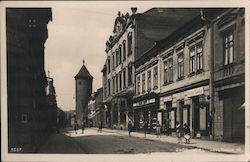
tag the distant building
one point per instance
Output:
(28, 109)
(83, 85)
(97, 111)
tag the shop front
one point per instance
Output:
(190, 107)
(145, 111)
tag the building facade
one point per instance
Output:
(28, 121)
(133, 35)
(83, 85)
(201, 77)
(229, 75)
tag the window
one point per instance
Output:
(113, 81)
(120, 81)
(228, 48)
(192, 60)
(108, 87)
(143, 83)
(124, 78)
(108, 65)
(138, 85)
(116, 82)
(79, 82)
(155, 81)
(149, 80)
(180, 65)
(120, 54)
(168, 71)
(117, 57)
(124, 50)
(130, 74)
(113, 58)
(129, 43)
(199, 56)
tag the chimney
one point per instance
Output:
(133, 9)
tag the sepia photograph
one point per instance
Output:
(127, 81)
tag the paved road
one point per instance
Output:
(92, 142)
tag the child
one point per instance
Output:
(187, 133)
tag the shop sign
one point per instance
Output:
(195, 92)
(145, 102)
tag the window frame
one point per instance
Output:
(225, 34)
(180, 65)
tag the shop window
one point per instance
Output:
(155, 81)
(228, 47)
(149, 79)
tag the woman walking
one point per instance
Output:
(158, 129)
(129, 128)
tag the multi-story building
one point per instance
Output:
(208, 51)
(133, 36)
(229, 75)
(28, 109)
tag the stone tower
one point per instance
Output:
(83, 82)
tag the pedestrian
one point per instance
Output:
(145, 127)
(129, 128)
(158, 129)
(100, 127)
(178, 131)
(76, 127)
(83, 126)
(187, 134)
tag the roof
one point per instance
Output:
(83, 73)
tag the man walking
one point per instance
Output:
(129, 128)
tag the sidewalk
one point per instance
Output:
(214, 146)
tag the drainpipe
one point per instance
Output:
(210, 23)
(211, 82)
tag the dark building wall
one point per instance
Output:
(27, 107)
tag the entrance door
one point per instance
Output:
(227, 119)
(196, 115)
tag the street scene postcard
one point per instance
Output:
(125, 81)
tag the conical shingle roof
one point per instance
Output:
(83, 73)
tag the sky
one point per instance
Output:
(75, 34)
